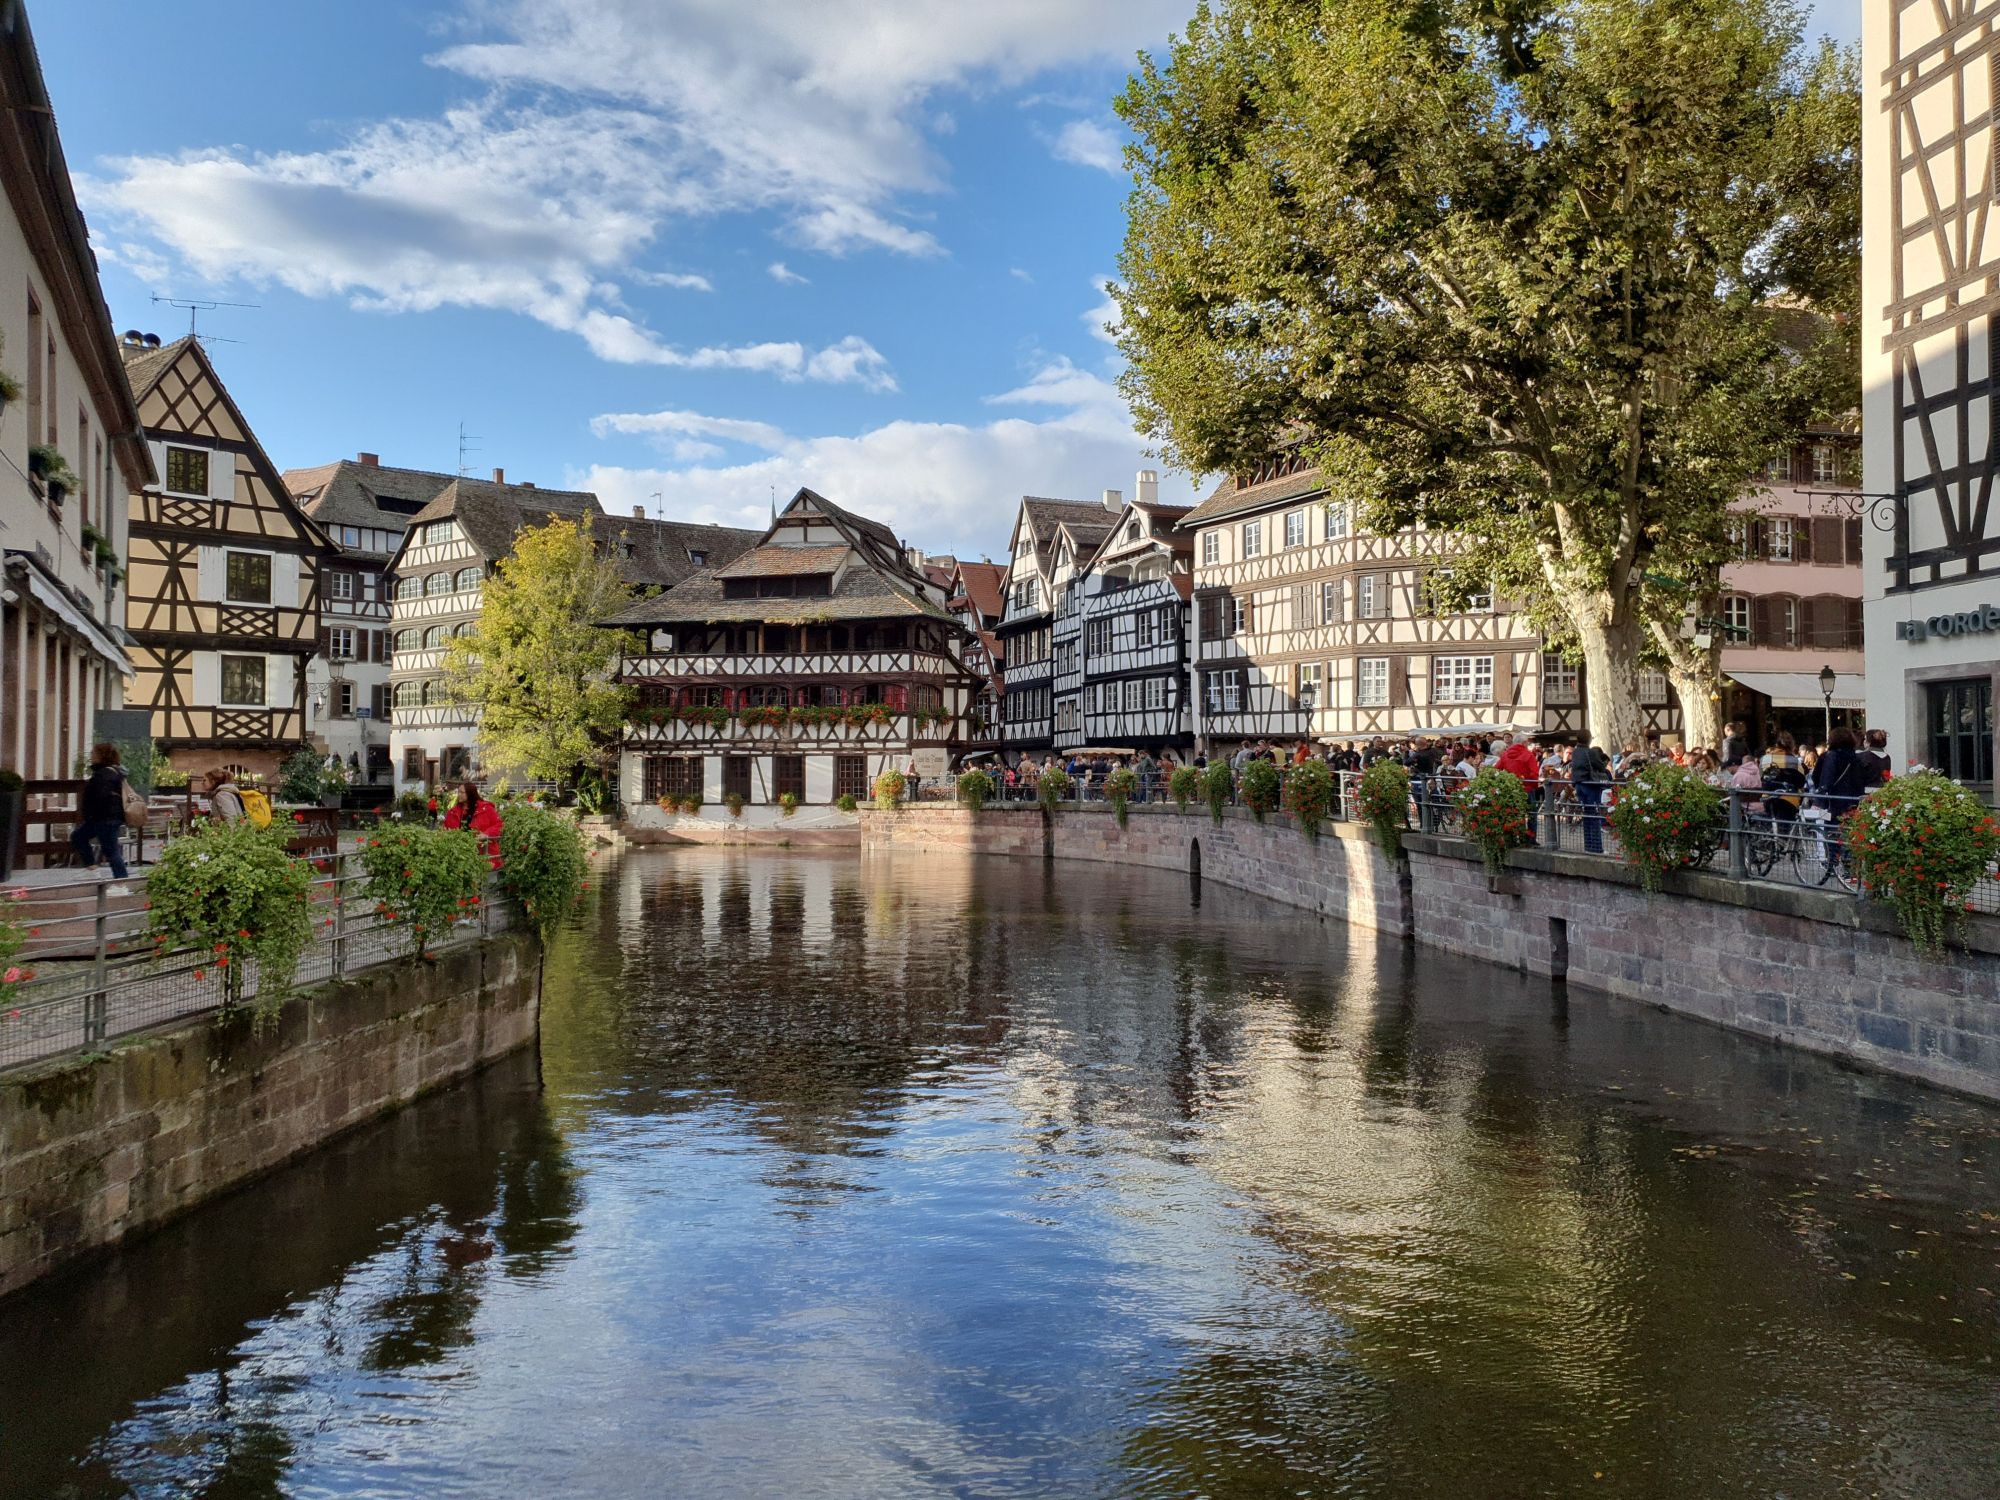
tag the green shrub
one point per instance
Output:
(1921, 842)
(975, 788)
(734, 802)
(1666, 818)
(13, 936)
(1493, 810)
(1184, 786)
(1261, 787)
(788, 803)
(543, 864)
(593, 793)
(846, 803)
(234, 895)
(301, 778)
(1055, 786)
(889, 789)
(1218, 782)
(1384, 802)
(1310, 790)
(1119, 787)
(426, 879)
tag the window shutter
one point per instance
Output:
(1808, 622)
(1851, 618)
(1764, 622)
(1503, 678)
(1399, 682)
(1803, 539)
(1759, 545)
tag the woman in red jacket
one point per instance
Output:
(482, 817)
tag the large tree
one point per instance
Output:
(537, 666)
(1523, 272)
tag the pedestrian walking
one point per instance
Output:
(101, 817)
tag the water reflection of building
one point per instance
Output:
(1929, 241)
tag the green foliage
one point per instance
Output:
(593, 793)
(302, 778)
(425, 879)
(538, 663)
(1383, 798)
(46, 462)
(1218, 783)
(1260, 786)
(145, 765)
(1119, 787)
(234, 895)
(735, 802)
(167, 777)
(1666, 818)
(543, 864)
(846, 803)
(13, 937)
(1921, 842)
(1310, 791)
(788, 803)
(1184, 785)
(1055, 786)
(889, 789)
(1527, 274)
(1493, 810)
(975, 788)
(415, 803)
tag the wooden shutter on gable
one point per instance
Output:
(1399, 682)
(1503, 678)
(1827, 545)
(1851, 620)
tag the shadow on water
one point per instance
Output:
(924, 1175)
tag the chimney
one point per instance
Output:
(527, 484)
(1114, 501)
(638, 512)
(916, 557)
(369, 460)
(1149, 487)
(499, 476)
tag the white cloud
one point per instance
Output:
(1020, 275)
(685, 281)
(603, 124)
(784, 275)
(1090, 144)
(1106, 318)
(945, 486)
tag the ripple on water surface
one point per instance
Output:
(926, 1176)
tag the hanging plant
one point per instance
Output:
(10, 390)
(1666, 818)
(543, 864)
(1055, 786)
(233, 894)
(1493, 808)
(1218, 783)
(788, 803)
(1120, 786)
(735, 802)
(1309, 794)
(1184, 786)
(1262, 786)
(975, 789)
(1922, 842)
(889, 789)
(1384, 803)
(425, 879)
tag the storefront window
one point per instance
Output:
(1960, 719)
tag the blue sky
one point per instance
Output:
(689, 248)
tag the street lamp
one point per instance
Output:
(1826, 682)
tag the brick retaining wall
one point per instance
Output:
(1810, 969)
(95, 1150)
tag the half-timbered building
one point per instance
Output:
(1308, 626)
(1930, 389)
(62, 604)
(976, 595)
(804, 668)
(224, 592)
(1049, 540)
(1132, 606)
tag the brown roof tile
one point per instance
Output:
(779, 562)
(1227, 500)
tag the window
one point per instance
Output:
(1135, 692)
(403, 640)
(1778, 470)
(1253, 538)
(187, 471)
(243, 680)
(247, 578)
(1368, 597)
(1142, 629)
(464, 627)
(1028, 594)
(1653, 687)
(1239, 615)
(1223, 691)
(1211, 548)
(1462, 679)
(1828, 464)
(340, 643)
(1371, 682)
(408, 588)
(1736, 617)
(340, 585)
(433, 637)
(1778, 538)
(437, 583)
(1308, 684)
(408, 695)
(1559, 681)
(699, 559)
(1132, 530)
(736, 776)
(1336, 520)
(1295, 528)
(1156, 692)
(467, 580)
(788, 774)
(675, 776)
(343, 699)
(1740, 537)
(1959, 717)
(413, 764)
(1329, 603)
(438, 532)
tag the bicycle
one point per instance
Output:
(1819, 854)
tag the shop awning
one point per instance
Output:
(1801, 689)
(56, 600)
(1446, 731)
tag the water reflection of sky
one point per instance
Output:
(957, 1179)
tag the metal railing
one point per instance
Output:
(98, 975)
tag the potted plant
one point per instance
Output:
(1184, 786)
(788, 803)
(10, 390)
(734, 801)
(12, 795)
(1119, 786)
(1384, 799)
(975, 789)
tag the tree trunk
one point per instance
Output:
(1695, 673)
(1611, 678)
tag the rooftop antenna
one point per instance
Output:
(468, 443)
(659, 505)
(774, 505)
(194, 305)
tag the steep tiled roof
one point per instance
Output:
(1227, 500)
(348, 493)
(776, 562)
(863, 594)
(1045, 515)
(489, 514)
(664, 552)
(144, 366)
(982, 583)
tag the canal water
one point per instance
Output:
(922, 1176)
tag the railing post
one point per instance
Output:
(1739, 849)
(95, 1024)
(339, 914)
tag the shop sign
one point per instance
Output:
(1982, 621)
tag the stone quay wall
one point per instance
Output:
(1811, 969)
(97, 1149)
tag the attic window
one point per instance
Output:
(699, 559)
(790, 586)
(631, 549)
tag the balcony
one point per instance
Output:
(860, 725)
(785, 666)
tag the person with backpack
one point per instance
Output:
(225, 802)
(1590, 775)
(101, 817)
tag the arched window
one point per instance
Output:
(407, 695)
(437, 583)
(403, 640)
(468, 580)
(409, 587)
(434, 637)
(429, 693)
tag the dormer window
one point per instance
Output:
(1132, 531)
(699, 559)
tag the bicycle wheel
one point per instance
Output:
(1764, 852)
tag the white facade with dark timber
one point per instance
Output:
(1133, 632)
(1930, 296)
(804, 667)
(1040, 629)
(1307, 627)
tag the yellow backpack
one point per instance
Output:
(256, 806)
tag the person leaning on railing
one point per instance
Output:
(1841, 779)
(1784, 779)
(481, 816)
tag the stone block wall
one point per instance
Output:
(97, 1149)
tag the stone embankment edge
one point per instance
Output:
(97, 1150)
(1804, 968)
